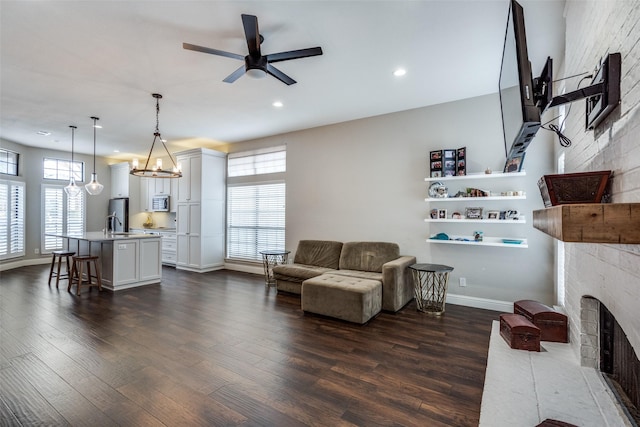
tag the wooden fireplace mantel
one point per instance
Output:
(591, 222)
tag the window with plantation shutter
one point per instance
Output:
(256, 202)
(60, 214)
(11, 219)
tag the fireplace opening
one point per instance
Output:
(619, 364)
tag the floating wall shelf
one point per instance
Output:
(591, 222)
(494, 175)
(486, 241)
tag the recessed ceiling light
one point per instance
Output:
(278, 104)
(400, 72)
(116, 151)
(43, 133)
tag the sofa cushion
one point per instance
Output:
(321, 253)
(371, 275)
(298, 272)
(367, 256)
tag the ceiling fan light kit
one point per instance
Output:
(156, 171)
(94, 187)
(72, 189)
(255, 64)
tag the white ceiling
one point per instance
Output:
(64, 61)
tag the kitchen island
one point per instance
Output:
(127, 260)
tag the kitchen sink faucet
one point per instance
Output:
(108, 221)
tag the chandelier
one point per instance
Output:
(156, 171)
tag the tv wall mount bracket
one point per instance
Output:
(602, 96)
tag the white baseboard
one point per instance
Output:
(487, 304)
(24, 263)
(245, 267)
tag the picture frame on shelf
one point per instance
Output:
(493, 215)
(473, 213)
(461, 161)
(514, 164)
(433, 214)
(442, 214)
(456, 215)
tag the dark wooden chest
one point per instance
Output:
(519, 332)
(552, 324)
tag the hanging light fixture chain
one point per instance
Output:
(157, 172)
(157, 112)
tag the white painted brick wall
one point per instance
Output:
(610, 273)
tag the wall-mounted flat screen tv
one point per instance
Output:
(520, 114)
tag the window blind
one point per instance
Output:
(257, 162)
(12, 232)
(255, 219)
(60, 214)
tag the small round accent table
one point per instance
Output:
(269, 260)
(430, 287)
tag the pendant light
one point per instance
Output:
(72, 189)
(156, 170)
(94, 187)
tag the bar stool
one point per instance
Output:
(76, 272)
(59, 255)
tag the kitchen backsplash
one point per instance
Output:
(160, 219)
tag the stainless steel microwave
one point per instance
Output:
(160, 203)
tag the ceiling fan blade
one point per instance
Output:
(252, 34)
(294, 54)
(280, 75)
(203, 49)
(235, 75)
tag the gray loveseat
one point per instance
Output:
(379, 261)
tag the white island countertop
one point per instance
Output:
(99, 236)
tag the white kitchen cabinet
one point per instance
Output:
(150, 259)
(169, 247)
(190, 185)
(120, 180)
(160, 186)
(200, 210)
(123, 184)
(145, 198)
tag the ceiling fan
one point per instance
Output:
(255, 63)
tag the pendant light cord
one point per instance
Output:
(73, 128)
(94, 143)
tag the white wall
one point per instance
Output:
(610, 273)
(364, 180)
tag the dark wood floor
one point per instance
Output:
(218, 349)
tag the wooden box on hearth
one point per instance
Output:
(519, 333)
(552, 324)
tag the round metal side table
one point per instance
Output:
(430, 287)
(271, 258)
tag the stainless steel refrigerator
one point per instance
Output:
(118, 220)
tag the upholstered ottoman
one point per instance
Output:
(348, 298)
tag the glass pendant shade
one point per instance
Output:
(72, 189)
(94, 187)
